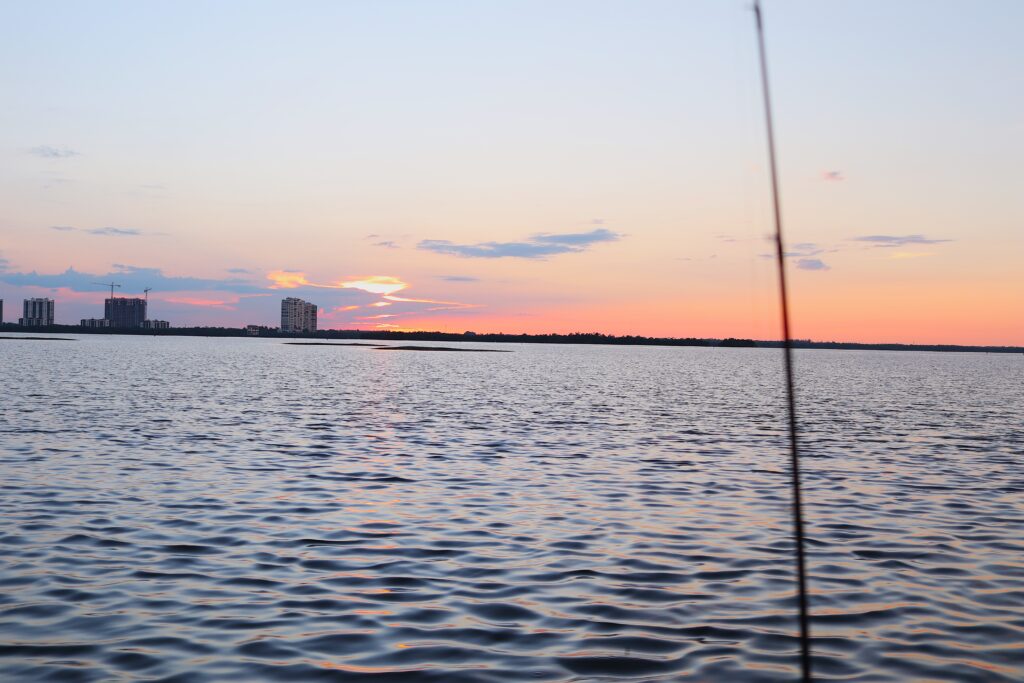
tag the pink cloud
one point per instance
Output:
(197, 301)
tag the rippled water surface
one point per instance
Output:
(239, 509)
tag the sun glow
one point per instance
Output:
(376, 284)
(284, 279)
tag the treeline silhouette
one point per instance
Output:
(571, 338)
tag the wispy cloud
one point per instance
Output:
(492, 249)
(450, 304)
(536, 247)
(387, 244)
(116, 232)
(811, 264)
(806, 249)
(799, 250)
(897, 240)
(50, 152)
(802, 253)
(107, 231)
(240, 271)
(833, 176)
(458, 278)
(578, 239)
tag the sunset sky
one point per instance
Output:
(549, 166)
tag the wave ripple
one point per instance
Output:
(271, 512)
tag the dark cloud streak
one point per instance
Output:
(536, 247)
(811, 264)
(50, 152)
(578, 239)
(107, 231)
(896, 240)
(132, 278)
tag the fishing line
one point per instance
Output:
(787, 347)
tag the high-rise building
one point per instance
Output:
(37, 313)
(1, 311)
(125, 312)
(297, 315)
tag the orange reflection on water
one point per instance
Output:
(944, 661)
(356, 668)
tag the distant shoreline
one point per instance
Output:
(574, 338)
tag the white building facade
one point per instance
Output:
(37, 313)
(297, 316)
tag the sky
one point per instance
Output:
(548, 166)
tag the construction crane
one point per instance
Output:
(146, 291)
(108, 284)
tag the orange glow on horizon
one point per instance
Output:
(905, 306)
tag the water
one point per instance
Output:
(239, 509)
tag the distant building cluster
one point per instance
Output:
(129, 313)
(297, 316)
(36, 313)
(125, 313)
(119, 313)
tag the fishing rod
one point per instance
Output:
(787, 347)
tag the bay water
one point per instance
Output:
(212, 509)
